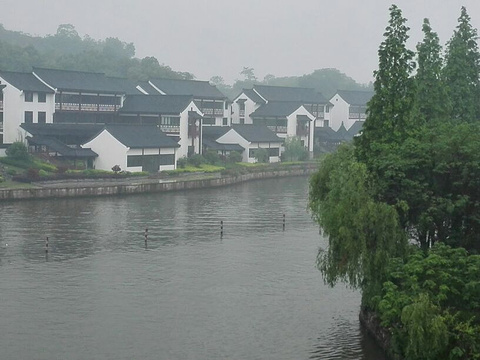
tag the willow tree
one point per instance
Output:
(462, 71)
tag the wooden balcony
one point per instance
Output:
(193, 131)
(278, 129)
(169, 129)
(212, 112)
(302, 131)
(86, 107)
(359, 116)
(242, 113)
(1, 104)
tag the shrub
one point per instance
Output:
(116, 169)
(196, 160)
(42, 173)
(261, 155)
(182, 162)
(234, 157)
(11, 172)
(1, 179)
(18, 151)
(212, 157)
(33, 174)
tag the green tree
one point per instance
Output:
(462, 70)
(388, 112)
(294, 150)
(363, 234)
(431, 99)
(261, 155)
(18, 151)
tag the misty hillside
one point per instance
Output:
(67, 50)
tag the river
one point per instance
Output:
(189, 293)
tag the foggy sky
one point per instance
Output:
(220, 37)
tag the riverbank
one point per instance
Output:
(136, 185)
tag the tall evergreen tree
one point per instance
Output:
(388, 112)
(462, 69)
(431, 101)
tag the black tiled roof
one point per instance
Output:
(79, 81)
(214, 132)
(155, 104)
(145, 85)
(284, 93)
(61, 148)
(276, 109)
(25, 81)
(253, 96)
(124, 85)
(198, 89)
(58, 130)
(256, 133)
(213, 145)
(359, 98)
(137, 136)
(356, 128)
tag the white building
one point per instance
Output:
(212, 102)
(177, 116)
(134, 148)
(251, 138)
(23, 99)
(349, 107)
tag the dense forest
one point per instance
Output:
(401, 205)
(66, 49)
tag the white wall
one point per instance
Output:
(186, 141)
(250, 107)
(232, 137)
(339, 112)
(110, 152)
(14, 107)
(292, 126)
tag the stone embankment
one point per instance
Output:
(66, 189)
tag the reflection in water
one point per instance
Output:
(190, 294)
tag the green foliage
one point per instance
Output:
(389, 120)
(211, 157)
(363, 234)
(18, 151)
(196, 160)
(182, 162)
(261, 156)
(67, 50)
(431, 301)
(431, 100)
(234, 157)
(294, 150)
(462, 70)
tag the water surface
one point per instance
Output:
(190, 294)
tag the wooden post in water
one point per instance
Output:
(146, 236)
(221, 228)
(283, 222)
(46, 245)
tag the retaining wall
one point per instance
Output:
(155, 185)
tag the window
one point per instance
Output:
(209, 121)
(170, 121)
(242, 121)
(134, 160)
(167, 159)
(42, 117)
(28, 117)
(242, 106)
(326, 123)
(28, 96)
(42, 97)
(251, 153)
(225, 122)
(327, 109)
(273, 151)
(226, 105)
